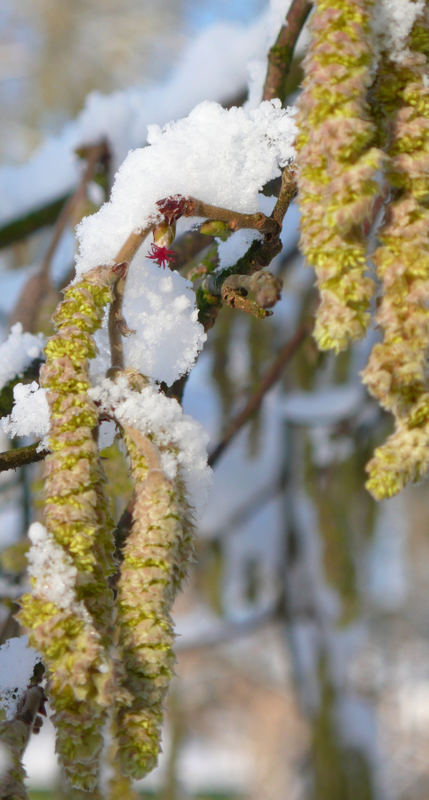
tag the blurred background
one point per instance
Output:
(303, 649)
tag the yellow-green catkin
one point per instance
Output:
(74, 637)
(337, 165)
(397, 370)
(152, 570)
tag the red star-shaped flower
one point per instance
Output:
(161, 255)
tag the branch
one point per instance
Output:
(12, 459)
(117, 326)
(23, 226)
(234, 219)
(260, 253)
(248, 509)
(281, 53)
(226, 630)
(38, 287)
(254, 402)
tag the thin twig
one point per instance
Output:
(11, 459)
(116, 323)
(281, 53)
(260, 252)
(287, 193)
(254, 402)
(234, 219)
(132, 244)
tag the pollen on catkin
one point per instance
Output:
(337, 166)
(151, 572)
(71, 626)
(397, 370)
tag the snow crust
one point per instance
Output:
(17, 662)
(30, 412)
(162, 419)
(17, 352)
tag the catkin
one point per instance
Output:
(152, 570)
(337, 166)
(73, 637)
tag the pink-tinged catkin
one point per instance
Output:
(397, 370)
(337, 165)
(74, 637)
(154, 563)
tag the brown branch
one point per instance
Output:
(281, 53)
(116, 324)
(131, 245)
(234, 219)
(287, 193)
(254, 402)
(12, 459)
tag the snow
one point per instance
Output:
(183, 440)
(17, 352)
(221, 156)
(30, 412)
(160, 306)
(235, 246)
(53, 572)
(17, 662)
(393, 22)
(213, 67)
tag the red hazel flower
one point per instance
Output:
(173, 207)
(161, 255)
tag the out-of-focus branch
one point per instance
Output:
(23, 226)
(227, 630)
(93, 154)
(281, 53)
(269, 379)
(38, 286)
(250, 506)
